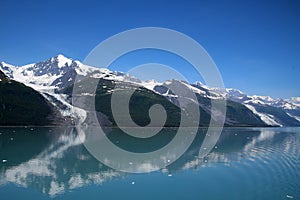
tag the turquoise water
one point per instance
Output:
(246, 163)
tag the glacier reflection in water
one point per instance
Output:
(246, 163)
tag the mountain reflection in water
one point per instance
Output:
(54, 161)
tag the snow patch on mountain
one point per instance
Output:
(268, 119)
(7, 69)
(294, 100)
(85, 70)
(65, 107)
(278, 103)
(294, 116)
(150, 84)
(62, 61)
(194, 89)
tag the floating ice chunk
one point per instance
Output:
(170, 175)
(132, 183)
(289, 196)
(4, 161)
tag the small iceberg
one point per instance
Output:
(289, 196)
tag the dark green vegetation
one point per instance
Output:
(21, 105)
(142, 99)
(3, 77)
(239, 115)
(139, 105)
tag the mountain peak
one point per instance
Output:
(62, 60)
(6, 64)
(199, 83)
(60, 56)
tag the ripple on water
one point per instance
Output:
(274, 166)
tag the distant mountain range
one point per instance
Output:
(41, 94)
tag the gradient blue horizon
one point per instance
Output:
(255, 44)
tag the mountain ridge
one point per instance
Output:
(53, 75)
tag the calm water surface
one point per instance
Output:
(246, 163)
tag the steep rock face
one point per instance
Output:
(21, 105)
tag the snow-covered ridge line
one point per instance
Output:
(42, 75)
(59, 72)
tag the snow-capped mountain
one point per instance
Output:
(273, 112)
(57, 73)
(294, 100)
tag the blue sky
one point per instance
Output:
(255, 44)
